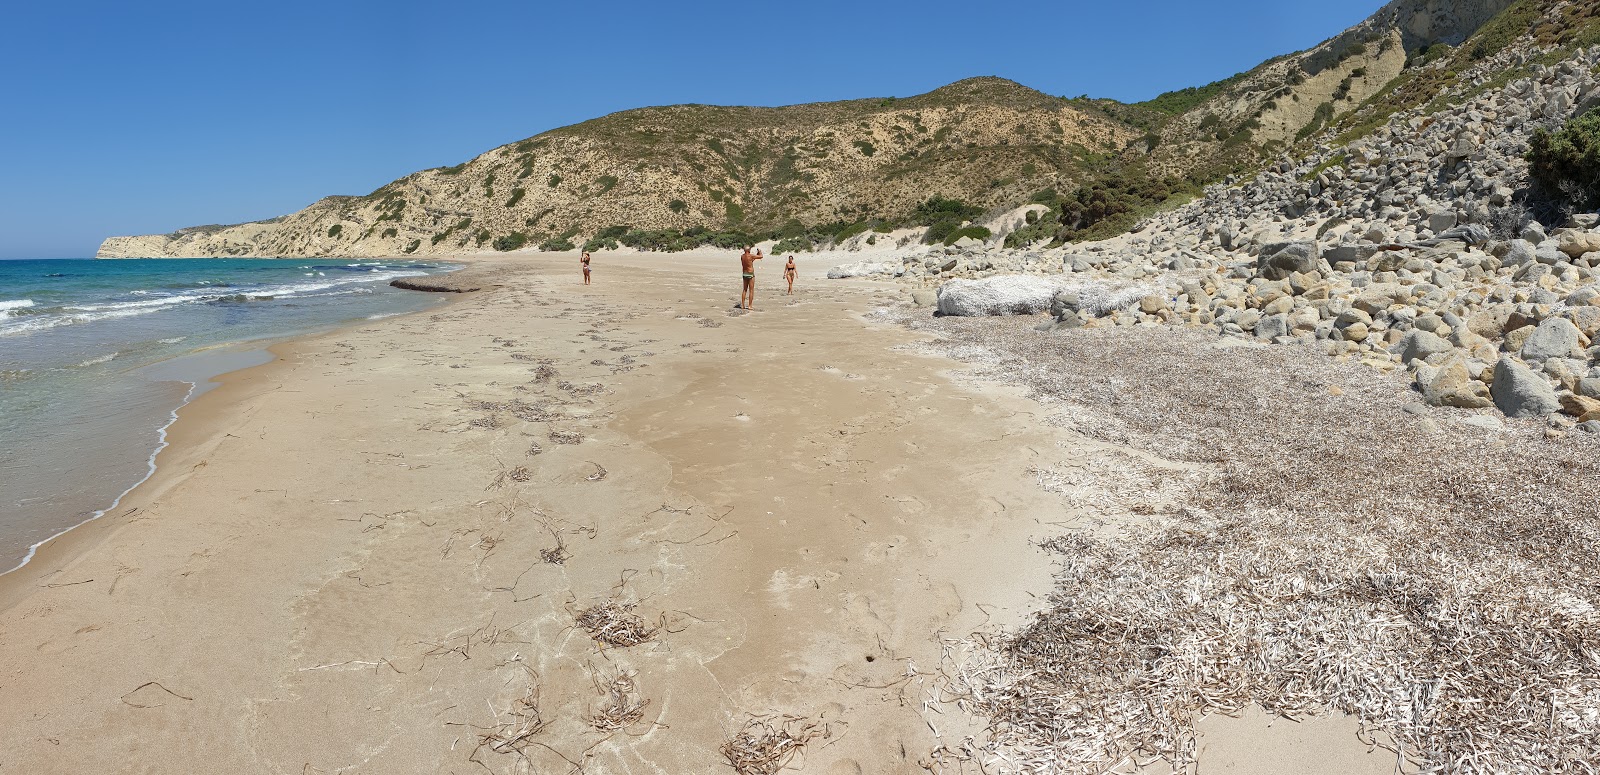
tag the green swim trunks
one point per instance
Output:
(749, 275)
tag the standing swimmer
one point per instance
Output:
(747, 266)
(585, 262)
(789, 273)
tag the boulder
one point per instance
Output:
(1577, 243)
(923, 297)
(1587, 319)
(1519, 392)
(1554, 338)
(1272, 326)
(1002, 295)
(1452, 385)
(1421, 344)
(1582, 407)
(1281, 259)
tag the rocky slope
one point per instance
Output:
(986, 141)
(1413, 247)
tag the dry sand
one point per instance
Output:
(374, 554)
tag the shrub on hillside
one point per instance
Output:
(792, 245)
(938, 209)
(510, 241)
(1566, 164)
(939, 230)
(976, 232)
(333, 231)
(557, 244)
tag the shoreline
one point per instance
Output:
(66, 545)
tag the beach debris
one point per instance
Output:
(558, 555)
(587, 389)
(535, 449)
(600, 472)
(565, 437)
(621, 707)
(1429, 601)
(544, 372)
(766, 744)
(489, 422)
(517, 408)
(519, 474)
(515, 726)
(151, 698)
(614, 624)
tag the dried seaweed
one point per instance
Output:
(565, 437)
(767, 744)
(621, 707)
(1329, 552)
(614, 624)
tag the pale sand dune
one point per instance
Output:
(346, 561)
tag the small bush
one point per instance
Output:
(334, 230)
(456, 170)
(1319, 119)
(516, 196)
(975, 232)
(938, 209)
(510, 241)
(1566, 164)
(866, 147)
(555, 180)
(938, 231)
(607, 182)
(390, 232)
(792, 245)
(734, 212)
(557, 244)
(678, 206)
(412, 246)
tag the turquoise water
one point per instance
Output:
(95, 356)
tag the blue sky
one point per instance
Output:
(134, 118)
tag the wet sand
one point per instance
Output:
(376, 553)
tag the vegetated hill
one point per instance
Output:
(673, 177)
(986, 141)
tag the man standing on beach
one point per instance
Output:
(747, 265)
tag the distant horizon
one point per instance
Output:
(151, 119)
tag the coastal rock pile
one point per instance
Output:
(1410, 248)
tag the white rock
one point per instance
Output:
(1002, 295)
(866, 269)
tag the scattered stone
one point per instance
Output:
(1554, 338)
(1452, 385)
(1421, 344)
(1277, 261)
(1519, 392)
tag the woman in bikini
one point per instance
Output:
(585, 262)
(789, 273)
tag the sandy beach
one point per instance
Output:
(557, 528)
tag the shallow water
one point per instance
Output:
(95, 356)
